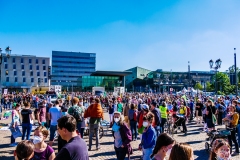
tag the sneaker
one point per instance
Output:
(13, 145)
(235, 154)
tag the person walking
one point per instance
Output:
(198, 111)
(76, 147)
(54, 114)
(95, 112)
(122, 137)
(27, 121)
(149, 136)
(133, 121)
(210, 115)
(111, 110)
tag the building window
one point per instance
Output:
(45, 74)
(16, 79)
(38, 73)
(31, 73)
(15, 73)
(46, 80)
(23, 73)
(36, 61)
(30, 67)
(5, 59)
(30, 61)
(6, 72)
(14, 66)
(7, 79)
(43, 61)
(22, 66)
(13, 60)
(32, 80)
(37, 67)
(6, 66)
(24, 79)
(44, 67)
(21, 60)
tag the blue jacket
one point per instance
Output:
(149, 138)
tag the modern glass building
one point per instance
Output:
(67, 67)
(107, 79)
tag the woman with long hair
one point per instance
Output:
(220, 150)
(15, 123)
(210, 114)
(27, 120)
(181, 151)
(233, 118)
(163, 147)
(122, 137)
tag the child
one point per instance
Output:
(220, 150)
(24, 150)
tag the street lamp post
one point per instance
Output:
(235, 68)
(218, 63)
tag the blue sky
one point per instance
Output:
(156, 34)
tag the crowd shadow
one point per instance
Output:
(7, 158)
(201, 154)
(111, 153)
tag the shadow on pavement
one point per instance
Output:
(201, 154)
(194, 142)
(6, 158)
(104, 154)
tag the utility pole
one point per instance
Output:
(189, 74)
(235, 67)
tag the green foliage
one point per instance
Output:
(198, 86)
(209, 87)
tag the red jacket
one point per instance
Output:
(94, 111)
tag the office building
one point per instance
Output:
(67, 67)
(19, 73)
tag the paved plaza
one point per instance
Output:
(195, 138)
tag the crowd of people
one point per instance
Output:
(133, 116)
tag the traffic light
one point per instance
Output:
(49, 72)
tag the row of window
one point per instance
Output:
(22, 60)
(23, 73)
(62, 66)
(22, 67)
(70, 56)
(24, 79)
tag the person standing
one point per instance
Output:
(199, 108)
(122, 137)
(125, 113)
(27, 120)
(95, 112)
(15, 123)
(163, 111)
(133, 121)
(54, 114)
(75, 148)
(111, 110)
(210, 113)
(41, 114)
(77, 113)
(157, 116)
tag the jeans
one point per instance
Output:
(183, 122)
(10, 105)
(52, 132)
(163, 121)
(219, 118)
(5, 106)
(238, 133)
(94, 129)
(133, 126)
(120, 153)
(232, 138)
(80, 129)
(147, 153)
(26, 128)
(12, 139)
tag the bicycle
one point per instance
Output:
(103, 125)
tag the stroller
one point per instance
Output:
(215, 134)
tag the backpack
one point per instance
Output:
(77, 114)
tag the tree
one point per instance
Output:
(209, 87)
(198, 86)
